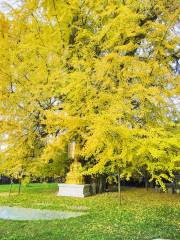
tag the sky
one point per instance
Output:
(13, 3)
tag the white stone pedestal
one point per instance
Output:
(74, 190)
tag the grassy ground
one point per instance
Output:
(142, 216)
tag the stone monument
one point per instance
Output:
(74, 185)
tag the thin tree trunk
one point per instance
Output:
(119, 187)
(146, 181)
(19, 189)
(100, 184)
(10, 189)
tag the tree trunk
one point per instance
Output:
(119, 187)
(100, 184)
(146, 181)
(10, 189)
(19, 189)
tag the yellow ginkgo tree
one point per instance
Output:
(102, 72)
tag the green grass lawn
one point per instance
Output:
(143, 215)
